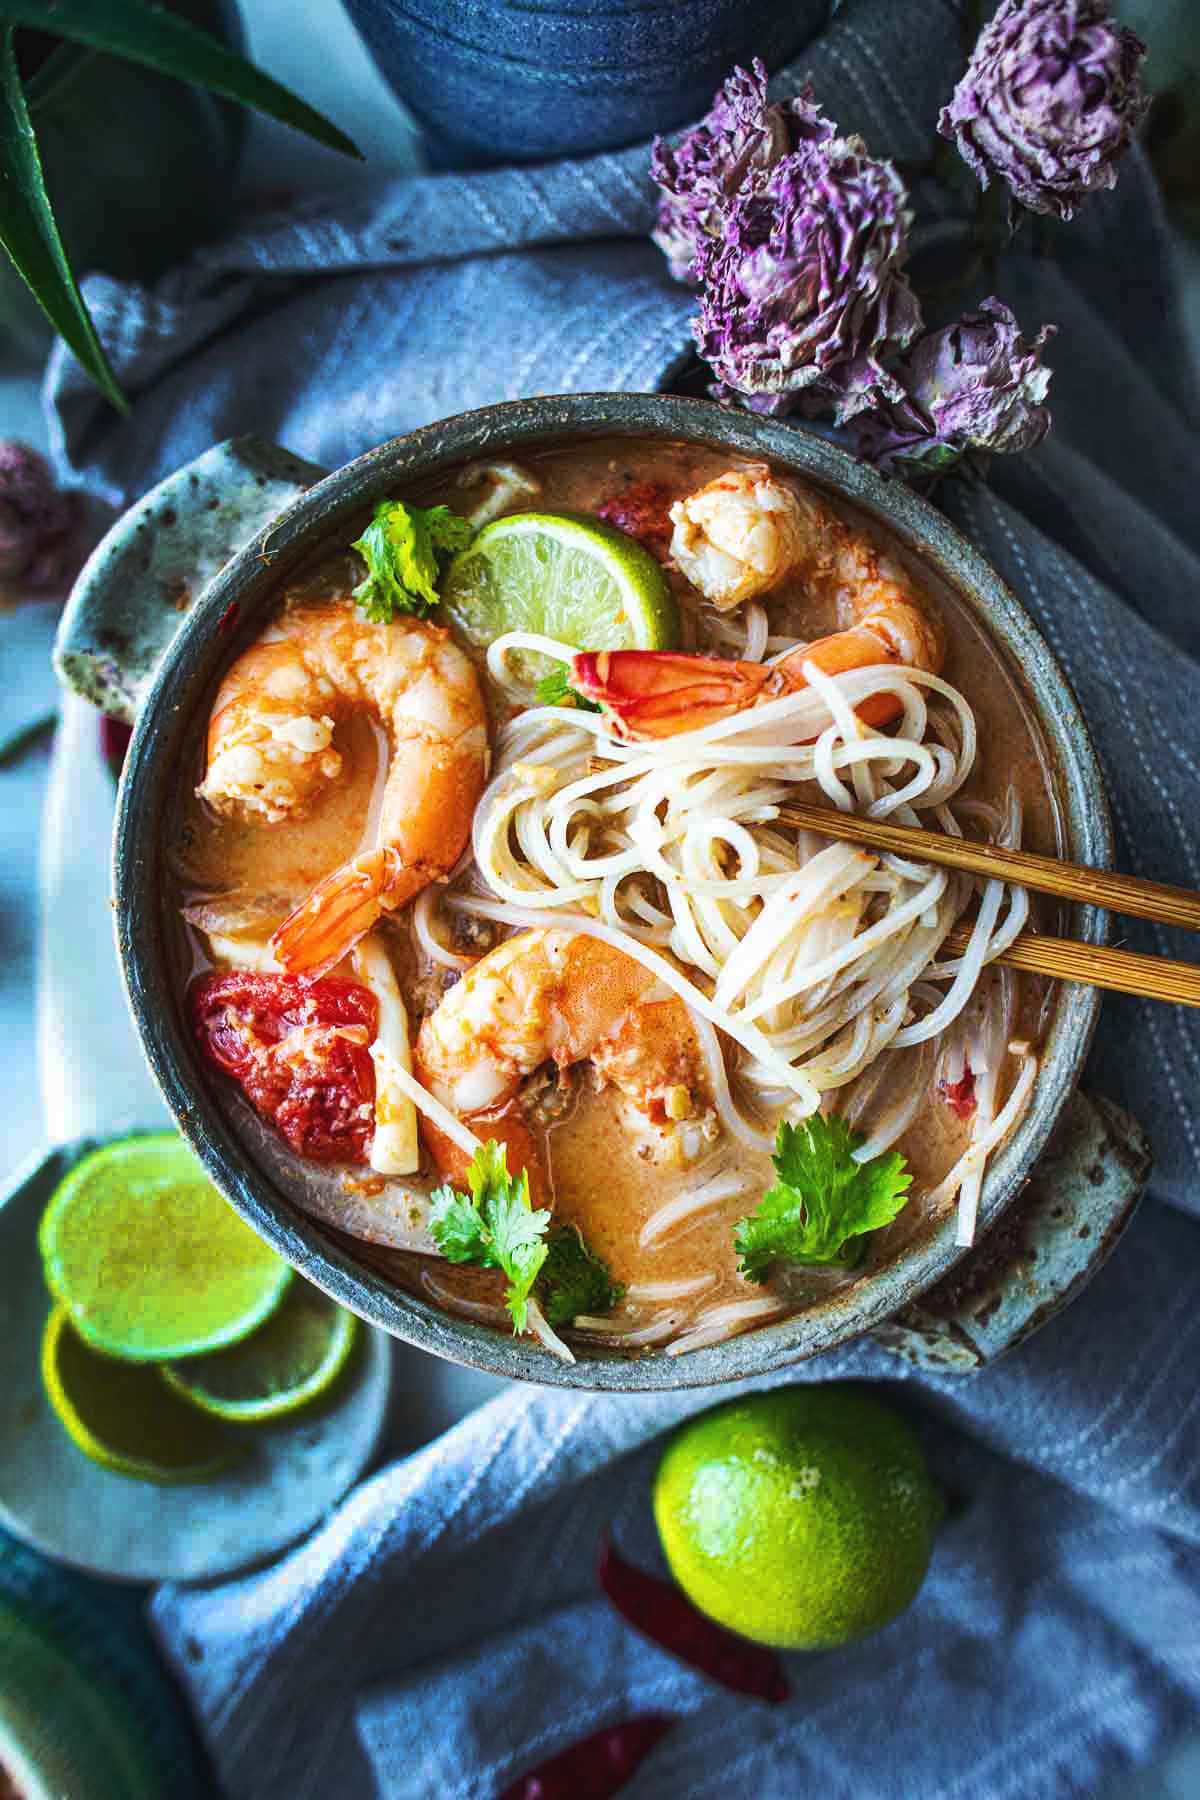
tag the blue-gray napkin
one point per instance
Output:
(443, 1633)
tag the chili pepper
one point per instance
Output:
(228, 618)
(662, 1613)
(960, 1095)
(596, 1766)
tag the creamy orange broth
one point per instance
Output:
(597, 1180)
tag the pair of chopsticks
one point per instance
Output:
(1063, 959)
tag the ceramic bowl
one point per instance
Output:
(497, 81)
(123, 645)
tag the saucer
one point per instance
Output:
(55, 1498)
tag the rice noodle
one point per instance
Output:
(804, 954)
(486, 1311)
(683, 1289)
(910, 1074)
(690, 1204)
(717, 1323)
(632, 1337)
(983, 1143)
(820, 966)
(447, 1122)
(546, 1335)
(422, 914)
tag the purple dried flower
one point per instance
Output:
(977, 385)
(1049, 101)
(804, 297)
(732, 151)
(38, 547)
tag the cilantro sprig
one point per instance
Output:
(823, 1202)
(555, 690)
(405, 548)
(495, 1226)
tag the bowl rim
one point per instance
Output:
(199, 652)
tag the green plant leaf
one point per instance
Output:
(146, 33)
(30, 235)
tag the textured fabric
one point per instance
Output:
(443, 1631)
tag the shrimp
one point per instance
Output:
(561, 996)
(651, 693)
(271, 754)
(739, 535)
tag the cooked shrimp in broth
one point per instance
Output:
(572, 915)
(271, 752)
(551, 996)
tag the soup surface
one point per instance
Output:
(659, 1198)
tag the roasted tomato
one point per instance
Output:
(300, 1051)
(641, 512)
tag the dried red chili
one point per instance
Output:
(960, 1095)
(597, 1766)
(665, 1615)
(228, 618)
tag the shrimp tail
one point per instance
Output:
(339, 910)
(845, 650)
(656, 693)
(895, 632)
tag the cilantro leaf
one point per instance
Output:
(555, 690)
(574, 1280)
(823, 1201)
(404, 548)
(495, 1227)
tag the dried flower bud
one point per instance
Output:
(1049, 101)
(731, 152)
(803, 297)
(975, 386)
(38, 548)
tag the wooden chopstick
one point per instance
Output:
(1128, 894)
(1121, 971)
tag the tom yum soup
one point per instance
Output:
(495, 942)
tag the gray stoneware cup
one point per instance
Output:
(186, 578)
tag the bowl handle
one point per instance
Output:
(1051, 1241)
(143, 577)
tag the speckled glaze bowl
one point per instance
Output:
(163, 606)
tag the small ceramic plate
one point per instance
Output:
(53, 1497)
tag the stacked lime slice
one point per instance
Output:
(172, 1319)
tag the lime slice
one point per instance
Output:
(123, 1415)
(147, 1257)
(565, 576)
(295, 1356)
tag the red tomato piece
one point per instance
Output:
(300, 1051)
(641, 512)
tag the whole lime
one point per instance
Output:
(801, 1518)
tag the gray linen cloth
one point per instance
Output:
(442, 1633)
